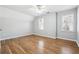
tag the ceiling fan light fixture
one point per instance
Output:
(39, 6)
(40, 9)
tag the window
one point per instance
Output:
(41, 23)
(67, 22)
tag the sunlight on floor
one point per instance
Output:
(40, 44)
(66, 50)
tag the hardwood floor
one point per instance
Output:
(34, 44)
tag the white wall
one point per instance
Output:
(49, 26)
(78, 23)
(14, 23)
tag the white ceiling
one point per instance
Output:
(29, 9)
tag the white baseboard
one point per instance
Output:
(70, 40)
(13, 37)
(44, 35)
(66, 39)
(77, 43)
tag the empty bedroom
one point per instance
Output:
(39, 29)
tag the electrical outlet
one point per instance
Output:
(0, 29)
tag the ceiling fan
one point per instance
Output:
(41, 9)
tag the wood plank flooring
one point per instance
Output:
(34, 44)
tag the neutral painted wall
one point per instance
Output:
(49, 26)
(78, 23)
(63, 34)
(14, 24)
